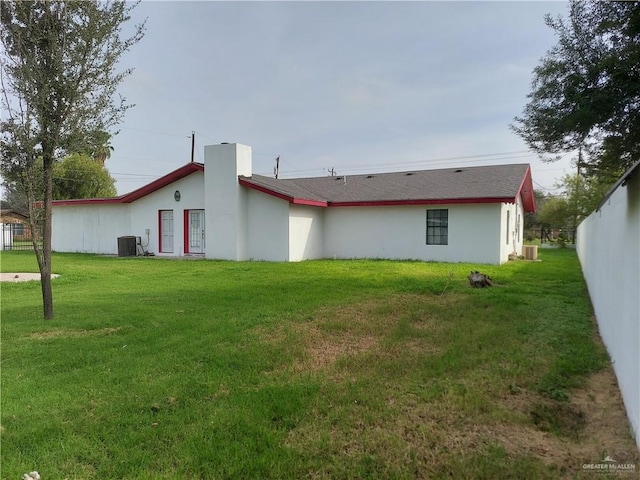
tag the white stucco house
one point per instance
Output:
(220, 209)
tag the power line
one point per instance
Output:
(168, 134)
(426, 162)
(463, 159)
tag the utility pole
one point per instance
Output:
(193, 144)
(332, 172)
(276, 169)
(576, 194)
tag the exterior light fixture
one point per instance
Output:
(176, 195)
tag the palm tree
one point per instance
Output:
(101, 149)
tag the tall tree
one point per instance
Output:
(580, 195)
(80, 176)
(59, 84)
(585, 92)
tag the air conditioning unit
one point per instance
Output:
(127, 246)
(530, 252)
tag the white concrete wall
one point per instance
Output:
(400, 233)
(95, 228)
(144, 212)
(608, 246)
(267, 227)
(90, 228)
(225, 201)
(306, 232)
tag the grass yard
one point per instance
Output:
(168, 369)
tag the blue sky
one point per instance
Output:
(356, 86)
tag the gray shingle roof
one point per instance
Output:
(466, 183)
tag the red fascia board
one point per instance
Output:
(526, 192)
(154, 186)
(444, 201)
(288, 198)
(161, 182)
(87, 201)
(311, 203)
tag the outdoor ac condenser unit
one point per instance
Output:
(127, 246)
(530, 252)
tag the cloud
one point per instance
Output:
(328, 83)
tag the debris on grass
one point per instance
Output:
(480, 280)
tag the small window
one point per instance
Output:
(438, 227)
(507, 227)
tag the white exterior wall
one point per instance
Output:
(89, 228)
(400, 233)
(268, 227)
(144, 212)
(511, 235)
(225, 200)
(95, 228)
(608, 246)
(306, 227)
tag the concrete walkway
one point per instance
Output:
(22, 277)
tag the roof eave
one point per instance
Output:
(154, 186)
(283, 196)
(425, 201)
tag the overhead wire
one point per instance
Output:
(482, 158)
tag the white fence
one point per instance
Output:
(609, 250)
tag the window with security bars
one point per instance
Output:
(438, 227)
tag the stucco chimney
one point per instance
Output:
(225, 200)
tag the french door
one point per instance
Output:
(195, 228)
(166, 231)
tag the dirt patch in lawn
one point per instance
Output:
(336, 333)
(589, 427)
(558, 436)
(73, 333)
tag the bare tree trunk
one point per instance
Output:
(45, 264)
(41, 226)
(35, 204)
(38, 240)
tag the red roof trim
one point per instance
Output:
(288, 198)
(526, 192)
(86, 201)
(311, 203)
(162, 182)
(443, 201)
(154, 186)
(377, 203)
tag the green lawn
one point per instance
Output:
(157, 369)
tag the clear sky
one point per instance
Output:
(360, 87)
